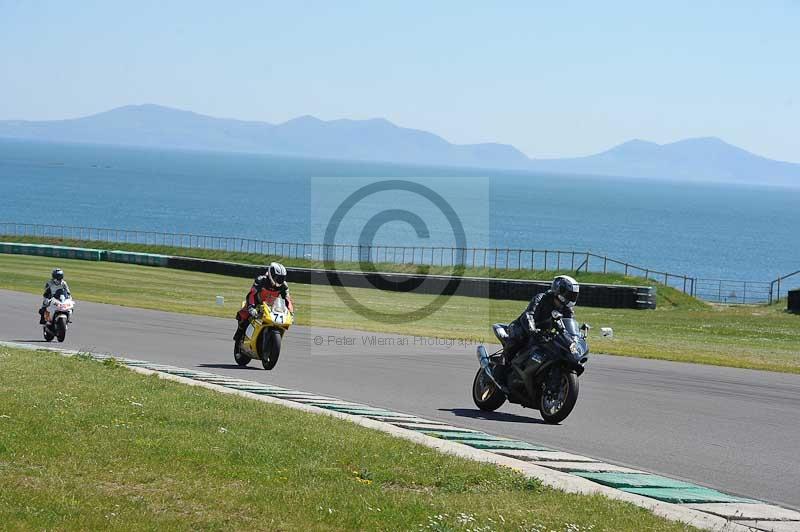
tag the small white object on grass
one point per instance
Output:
(607, 331)
(220, 300)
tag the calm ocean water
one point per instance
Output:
(707, 230)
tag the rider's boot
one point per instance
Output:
(508, 354)
(512, 343)
(41, 316)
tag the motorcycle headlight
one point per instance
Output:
(574, 349)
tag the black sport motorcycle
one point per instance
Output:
(544, 373)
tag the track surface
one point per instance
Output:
(734, 430)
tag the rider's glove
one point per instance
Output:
(253, 312)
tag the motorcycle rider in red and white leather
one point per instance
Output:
(265, 287)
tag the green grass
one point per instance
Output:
(93, 446)
(758, 337)
(666, 296)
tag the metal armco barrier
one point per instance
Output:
(61, 252)
(146, 259)
(592, 295)
(64, 252)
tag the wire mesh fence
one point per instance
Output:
(715, 290)
(732, 291)
(779, 288)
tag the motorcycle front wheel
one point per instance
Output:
(485, 393)
(61, 330)
(556, 405)
(270, 348)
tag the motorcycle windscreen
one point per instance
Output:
(279, 305)
(571, 327)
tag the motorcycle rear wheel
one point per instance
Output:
(270, 348)
(48, 336)
(485, 393)
(241, 359)
(556, 410)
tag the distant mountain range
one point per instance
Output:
(699, 159)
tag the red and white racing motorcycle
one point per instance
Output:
(57, 316)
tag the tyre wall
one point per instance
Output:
(793, 304)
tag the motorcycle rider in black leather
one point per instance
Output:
(538, 316)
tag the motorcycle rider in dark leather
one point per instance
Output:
(537, 318)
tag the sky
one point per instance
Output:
(554, 79)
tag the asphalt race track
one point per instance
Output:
(734, 430)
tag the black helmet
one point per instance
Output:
(58, 275)
(276, 273)
(566, 289)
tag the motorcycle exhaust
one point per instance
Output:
(483, 359)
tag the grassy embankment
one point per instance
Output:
(96, 447)
(759, 337)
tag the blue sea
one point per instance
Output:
(703, 230)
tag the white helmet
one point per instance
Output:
(276, 273)
(566, 289)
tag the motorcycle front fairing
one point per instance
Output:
(60, 305)
(273, 314)
(567, 346)
(572, 346)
